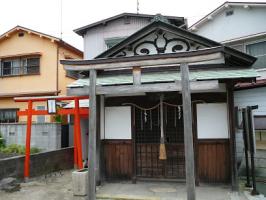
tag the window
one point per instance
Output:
(113, 41)
(40, 118)
(260, 131)
(8, 115)
(31, 65)
(11, 67)
(20, 66)
(229, 13)
(239, 47)
(258, 50)
(72, 74)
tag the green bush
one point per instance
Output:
(34, 150)
(2, 142)
(18, 149)
(58, 118)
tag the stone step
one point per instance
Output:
(124, 197)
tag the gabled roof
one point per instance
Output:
(50, 37)
(239, 58)
(224, 6)
(155, 25)
(178, 21)
(244, 38)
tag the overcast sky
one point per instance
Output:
(45, 15)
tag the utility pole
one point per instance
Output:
(137, 6)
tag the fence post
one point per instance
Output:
(245, 138)
(252, 148)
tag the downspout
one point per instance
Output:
(57, 69)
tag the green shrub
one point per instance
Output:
(2, 141)
(58, 118)
(18, 149)
(34, 150)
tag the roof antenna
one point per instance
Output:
(61, 19)
(137, 6)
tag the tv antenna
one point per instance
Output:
(137, 6)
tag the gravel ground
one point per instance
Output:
(58, 186)
(55, 186)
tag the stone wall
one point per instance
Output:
(46, 136)
(40, 163)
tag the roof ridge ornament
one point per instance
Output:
(160, 17)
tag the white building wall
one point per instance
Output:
(94, 39)
(242, 23)
(250, 97)
(45, 136)
(84, 136)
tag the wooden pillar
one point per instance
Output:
(230, 108)
(28, 138)
(188, 135)
(92, 138)
(98, 141)
(77, 133)
(102, 136)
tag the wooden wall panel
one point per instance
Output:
(118, 159)
(214, 161)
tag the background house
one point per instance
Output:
(106, 33)
(241, 25)
(30, 66)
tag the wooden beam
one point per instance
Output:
(136, 75)
(45, 98)
(188, 135)
(146, 62)
(156, 87)
(92, 138)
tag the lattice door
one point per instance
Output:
(147, 138)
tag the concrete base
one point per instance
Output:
(255, 197)
(80, 182)
(162, 191)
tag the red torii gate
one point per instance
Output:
(76, 111)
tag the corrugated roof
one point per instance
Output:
(169, 76)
